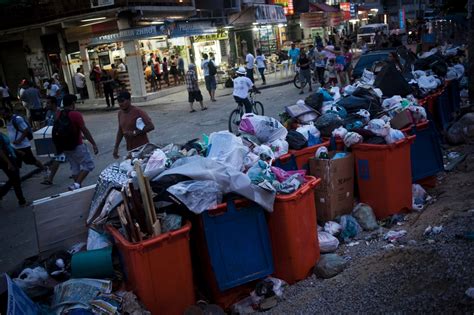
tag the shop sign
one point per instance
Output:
(312, 19)
(353, 10)
(401, 17)
(288, 7)
(269, 14)
(101, 3)
(183, 29)
(130, 34)
(208, 37)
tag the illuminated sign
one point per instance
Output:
(288, 6)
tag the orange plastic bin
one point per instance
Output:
(302, 156)
(293, 233)
(384, 176)
(159, 270)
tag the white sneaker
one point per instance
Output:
(74, 186)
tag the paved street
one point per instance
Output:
(173, 123)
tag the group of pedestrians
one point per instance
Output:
(157, 70)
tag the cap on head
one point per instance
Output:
(123, 96)
(69, 99)
(241, 70)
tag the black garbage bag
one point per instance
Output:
(327, 123)
(353, 104)
(296, 141)
(315, 101)
(435, 62)
(392, 82)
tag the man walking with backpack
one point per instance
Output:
(68, 130)
(209, 68)
(20, 134)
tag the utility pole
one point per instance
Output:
(470, 51)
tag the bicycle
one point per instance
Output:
(236, 114)
(297, 82)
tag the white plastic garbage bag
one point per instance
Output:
(156, 163)
(428, 83)
(266, 129)
(228, 149)
(327, 242)
(340, 132)
(310, 128)
(392, 102)
(368, 77)
(418, 113)
(393, 136)
(31, 278)
(364, 114)
(279, 147)
(379, 127)
(197, 195)
(332, 227)
(250, 160)
(336, 93)
(350, 89)
(352, 138)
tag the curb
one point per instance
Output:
(104, 109)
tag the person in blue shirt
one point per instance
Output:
(294, 54)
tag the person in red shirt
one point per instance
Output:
(79, 158)
(133, 124)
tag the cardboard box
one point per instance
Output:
(335, 195)
(44, 142)
(401, 120)
(61, 219)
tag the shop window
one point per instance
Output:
(223, 46)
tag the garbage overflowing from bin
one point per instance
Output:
(233, 220)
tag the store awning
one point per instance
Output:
(320, 19)
(192, 28)
(321, 7)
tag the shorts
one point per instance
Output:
(210, 82)
(80, 159)
(25, 155)
(194, 96)
(305, 75)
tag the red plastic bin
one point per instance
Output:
(302, 156)
(293, 233)
(384, 176)
(159, 270)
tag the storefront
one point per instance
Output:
(322, 20)
(259, 27)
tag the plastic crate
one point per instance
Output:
(238, 243)
(426, 155)
(159, 270)
(384, 176)
(293, 233)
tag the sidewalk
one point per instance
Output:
(161, 96)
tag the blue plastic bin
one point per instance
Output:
(454, 97)
(426, 154)
(238, 243)
(444, 112)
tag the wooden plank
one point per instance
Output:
(145, 197)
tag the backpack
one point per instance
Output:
(64, 135)
(212, 68)
(29, 134)
(92, 76)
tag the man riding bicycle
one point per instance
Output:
(242, 85)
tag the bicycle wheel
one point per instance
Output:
(258, 108)
(297, 82)
(234, 121)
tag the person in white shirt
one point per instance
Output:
(80, 81)
(209, 78)
(121, 66)
(261, 65)
(250, 60)
(5, 94)
(242, 86)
